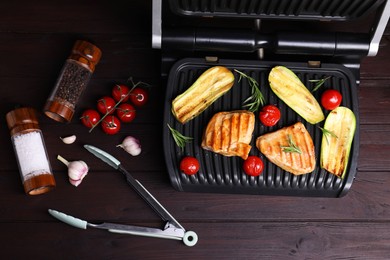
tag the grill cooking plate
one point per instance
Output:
(221, 174)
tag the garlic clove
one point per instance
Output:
(69, 139)
(131, 145)
(77, 170)
(134, 149)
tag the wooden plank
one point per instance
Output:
(374, 102)
(374, 148)
(74, 17)
(104, 195)
(372, 67)
(217, 240)
(43, 55)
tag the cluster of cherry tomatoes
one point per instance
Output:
(113, 110)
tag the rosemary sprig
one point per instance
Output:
(180, 139)
(257, 98)
(327, 133)
(292, 148)
(319, 83)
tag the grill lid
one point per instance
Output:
(334, 10)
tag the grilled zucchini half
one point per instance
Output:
(289, 88)
(337, 137)
(212, 84)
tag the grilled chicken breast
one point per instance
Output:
(229, 133)
(274, 147)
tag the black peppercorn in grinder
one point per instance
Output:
(72, 81)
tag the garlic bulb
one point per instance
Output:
(77, 170)
(69, 139)
(131, 145)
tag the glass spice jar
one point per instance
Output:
(30, 151)
(72, 81)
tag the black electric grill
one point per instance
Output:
(329, 54)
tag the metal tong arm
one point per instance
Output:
(189, 238)
(148, 197)
(169, 232)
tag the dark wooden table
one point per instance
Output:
(35, 39)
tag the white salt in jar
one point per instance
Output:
(30, 151)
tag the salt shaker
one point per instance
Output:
(72, 81)
(30, 150)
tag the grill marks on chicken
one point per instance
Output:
(229, 133)
(272, 146)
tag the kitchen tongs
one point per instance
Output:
(171, 230)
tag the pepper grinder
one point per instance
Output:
(72, 81)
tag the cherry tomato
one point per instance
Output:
(90, 117)
(139, 97)
(111, 125)
(125, 112)
(331, 99)
(269, 115)
(120, 93)
(189, 165)
(253, 166)
(106, 105)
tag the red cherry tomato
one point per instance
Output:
(253, 166)
(106, 105)
(125, 112)
(189, 165)
(331, 99)
(90, 117)
(269, 115)
(111, 125)
(139, 97)
(120, 93)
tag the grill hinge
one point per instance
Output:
(211, 59)
(314, 64)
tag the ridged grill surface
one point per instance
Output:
(296, 9)
(223, 174)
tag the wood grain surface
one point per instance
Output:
(36, 38)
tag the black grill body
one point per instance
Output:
(311, 37)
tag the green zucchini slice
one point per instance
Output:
(289, 88)
(338, 132)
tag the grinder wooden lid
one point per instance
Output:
(86, 53)
(22, 119)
